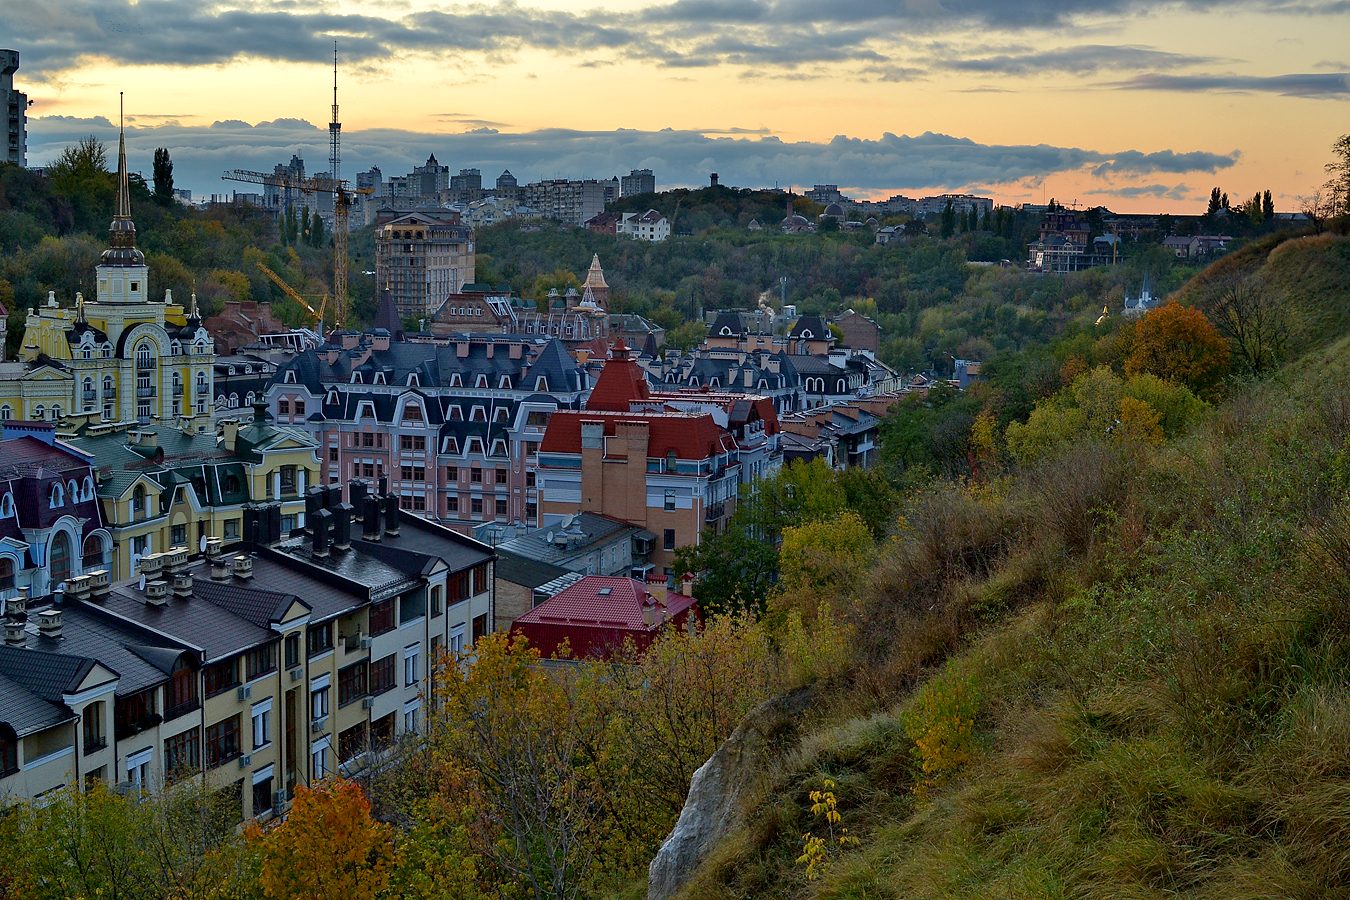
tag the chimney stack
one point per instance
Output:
(15, 636)
(370, 521)
(391, 515)
(320, 525)
(220, 569)
(49, 622)
(356, 493)
(314, 501)
(342, 526)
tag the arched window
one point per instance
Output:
(7, 506)
(73, 491)
(93, 553)
(107, 385)
(6, 573)
(145, 357)
(57, 496)
(138, 502)
(60, 559)
(88, 488)
(6, 413)
(201, 382)
(56, 411)
(40, 412)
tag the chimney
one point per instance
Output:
(332, 497)
(383, 485)
(156, 593)
(314, 501)
(182, 584)
(342, 526)
(242, 566)
(151, 564)
(319, 528)
(228, 432)
(15, 636)
(49, 622)
(18, 606)
(220, 569)
(274, 535)
(77, 587)
(356, 492)
(391, 515)
(370, 520)
(687, 584)
(213, 547)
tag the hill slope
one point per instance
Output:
(1121, 673)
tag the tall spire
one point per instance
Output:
(123, 185)
(122, 250)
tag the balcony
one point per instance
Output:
(91, 747)
(178, 390)
(125, 730)
(143, 393)
(203, 389)
(145, 365)
(90, 396)
(110, 393)
(181, 709)
(715, 512)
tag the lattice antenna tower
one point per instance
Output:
(335, 128)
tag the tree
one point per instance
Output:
(1267, 207)
(948, 220)
(821, 559)
(163, 176)
(316, 235)
(1254, 317)
(1337, 187)
(327, 848)
(1179, 343)
(1215, 202)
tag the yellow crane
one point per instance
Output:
(342, 202)
(295, 295)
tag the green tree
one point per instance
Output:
(1215, 202)
(1337, 187)
(1267, 207)
(948, 220)
(163, 176)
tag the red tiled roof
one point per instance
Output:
(603, 602)
(690, 436)
(621, 382)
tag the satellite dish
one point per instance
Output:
(549, 537)
(201, 544)
(140, 585)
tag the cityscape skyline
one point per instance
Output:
(1138, 105)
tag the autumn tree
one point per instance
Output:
(821, 559)
(1337, 187)
(1179, 343)
(327, 848)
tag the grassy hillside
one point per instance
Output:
(1124, 672)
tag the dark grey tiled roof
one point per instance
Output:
(326, 595)
(26, 712)
(522, 570)
(428, 538)
(217, 632)
(378, 577)
(49, 675)
(249, 602)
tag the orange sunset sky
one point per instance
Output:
(1137, 105)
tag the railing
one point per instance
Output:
(143, 392)
(110, 393)
(203, 388)
(181, 709)
(143, 365)
(95, 746)
(178, 390)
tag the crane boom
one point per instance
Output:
(294, 295)
(342, 201)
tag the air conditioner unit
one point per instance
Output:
(319, 725)
(297, 674)
(365, 643)
(245, 761)
(367, 702)
(246, 692)
(278, 800)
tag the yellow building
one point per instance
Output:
(163, 487)
(121, 358)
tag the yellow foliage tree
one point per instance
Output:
(328, 848)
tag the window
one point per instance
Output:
(451, 504)
(288, 484)
(318, 703)
(332, 454)
(299, 407)
(221, 676)
(182, 754)
(320, 639)
(410, 666)
(222, 742)
(58, 496)
(382, 616)
(457, 639)
(501, 476)
(319, 761)
(138, 506)
(670, 500)
(412, 472)
(352, 742)
(382, 675)
(9, 755)
(181, 694)
(284, 406)
(262, 724)
(529, 478)
(476, 506)
(6, 573)
(95, 733)
(480, 626)
(437, 605)
(475, 475)
(259, 661)
(262, 793)
(412, 443)
(231, 529)
(60, 562)
(178, 535)
(452, 473)
(499, 508)
(352, 683)
(292, 649)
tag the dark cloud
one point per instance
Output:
(1084, 59)
(60, 34)
(889, 163)
(1158, 191)
(1334, 85)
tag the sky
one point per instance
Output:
(1137, 105)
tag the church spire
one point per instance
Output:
(122, 250)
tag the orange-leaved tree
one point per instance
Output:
(328, 848)
(1180, 344)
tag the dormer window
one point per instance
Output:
(413, 380)
(478, 414)
(7, 506)
(481, 381)
(501, 414)
(88, 487)
(289, 377)
(504, 383)
(455, 380)
(541, 384)
(379, 378)
(356, 378)
(57, 497)
(332, 398)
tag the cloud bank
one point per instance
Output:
(678, 157)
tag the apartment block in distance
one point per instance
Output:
(15, 104)
(421, 258)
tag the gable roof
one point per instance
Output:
(597, 601)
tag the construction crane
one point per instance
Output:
(295, 295)
(342, 202)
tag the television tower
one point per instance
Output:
(335, 129)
